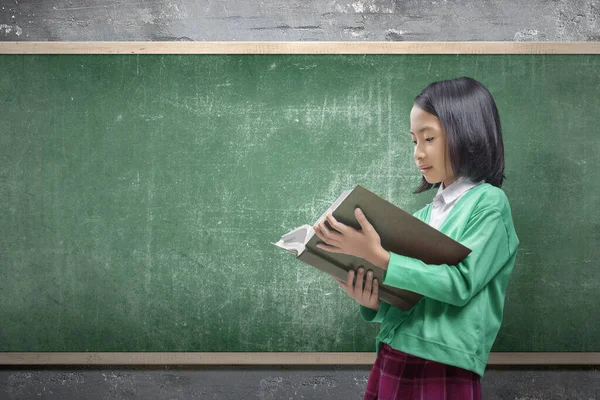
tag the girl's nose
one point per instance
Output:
(418, 152)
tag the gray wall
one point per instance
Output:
(280, 20)
(286, 20)
(269, 384)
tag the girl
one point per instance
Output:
(439, 348)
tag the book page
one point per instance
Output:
(295, 241)
(335, 204)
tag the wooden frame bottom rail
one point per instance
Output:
(270, 47)
(267, 358)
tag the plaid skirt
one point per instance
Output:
(397, 375)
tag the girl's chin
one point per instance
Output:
(431, 181)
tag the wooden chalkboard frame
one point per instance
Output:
(285, 358)
(299, 47)
(269, 358)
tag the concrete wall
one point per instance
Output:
(268, 383)
(287, 20)
(293, 20)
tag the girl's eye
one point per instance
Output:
(415, 142)
(429, 139)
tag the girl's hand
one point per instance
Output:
(364, 243)
(368, 295)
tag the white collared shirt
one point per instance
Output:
(446, 198)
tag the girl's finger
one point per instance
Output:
(350, 281)
(318, 232)
(375, 292)
(327, 239)
(328, 232)
(362, 220)
(360, 280)
(339, 282)
(323, 228)
(338, 226)
(368, 284)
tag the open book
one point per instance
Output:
(400, 233)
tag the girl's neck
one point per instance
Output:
(444, 185)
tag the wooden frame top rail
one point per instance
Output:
(268, 358)
(299, 47)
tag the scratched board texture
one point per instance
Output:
(140, 195)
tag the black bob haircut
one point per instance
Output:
(468, 114)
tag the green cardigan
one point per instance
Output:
(458, 319)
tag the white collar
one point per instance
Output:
(455, 190)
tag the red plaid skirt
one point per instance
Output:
(397, 375)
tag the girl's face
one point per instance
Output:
(431, 150)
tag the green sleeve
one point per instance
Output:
(371, 315)
(486, 236)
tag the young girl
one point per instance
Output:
(439, 348)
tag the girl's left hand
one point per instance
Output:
(364, 243)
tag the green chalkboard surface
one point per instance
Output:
(140, 193)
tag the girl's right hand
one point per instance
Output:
(365, 290)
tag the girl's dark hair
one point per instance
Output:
(469, 116)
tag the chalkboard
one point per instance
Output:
(140, 194)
